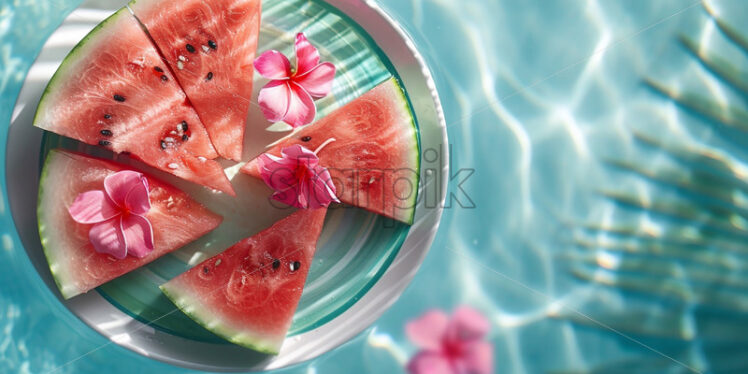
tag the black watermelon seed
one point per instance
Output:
(190, 48)
(158, 69)
(163, 144)
(104, 143)
(184, 126)
(107, 116)
(276, 263)
(212, 44)
(164, 78)
(106, 133)
(295, 266)
(306, 138)
(119, 98)
(209, 76)
(185, 137)
(206, 270)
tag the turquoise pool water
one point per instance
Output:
(598, 210)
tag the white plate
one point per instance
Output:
(23, 158)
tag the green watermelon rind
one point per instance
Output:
(416, 151)
(187, 303)
(64, 284)
(70, 62)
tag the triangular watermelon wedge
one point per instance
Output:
(210, 47)
(249, 293)
(76, 267)
(115, 91)
(374, 160)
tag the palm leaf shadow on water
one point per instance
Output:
(680, 277)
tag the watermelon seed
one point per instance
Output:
(218, 262)
(119, 98)
(104, 143)
(212, 44)
(205, 48)
(306, 138)
(163, 144)
(164, 78)
(107, 116)
(180, 65)
(190, 48)
(202, 159)
(106, 133)
(206, 270)
(184, 126)
(276, 263)
(185, 137)
(294, 265)
(209, 76)
(182, 58)
(173, 166)
(158, 69)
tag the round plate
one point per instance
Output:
(363, 261)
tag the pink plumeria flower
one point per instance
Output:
(297, 178)
(450, 346)
(289, 96)
(117, 215)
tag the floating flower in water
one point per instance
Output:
(289, 96)
(297, 177)
(450, 346)
(118, 215)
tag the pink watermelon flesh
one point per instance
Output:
(114, 90)
(75, 265)
(210, 46)
(374, 160)
(243, 294)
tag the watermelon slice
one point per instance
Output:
(76, 266)
(249, 293)
(114, 90)
(374, 161)
(210, 46)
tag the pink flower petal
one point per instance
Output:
(321, 188)
(428, 362)
(137, 199)
(428, 331)
(107, 237)
(478, 359)
(307, 56)
(301, 108)
(288, 197)
(298, 155)
(297, 178)
(273, 65)
(318, 81)
(138, 234)
(92, 207)
(303, 195)
(274, 100)
(467, 325)
(278, 173)
(119, 184)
